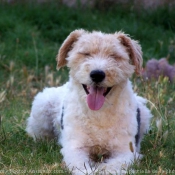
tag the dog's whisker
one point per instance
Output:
(108, 102)
(84, 97)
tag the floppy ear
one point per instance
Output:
(134, 50)
(66, 47)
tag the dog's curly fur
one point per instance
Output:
(95, 112)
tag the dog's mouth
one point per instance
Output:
(96, 95)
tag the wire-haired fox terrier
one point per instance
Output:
(96, 116)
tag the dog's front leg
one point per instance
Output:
(76, 159)
(120, 163)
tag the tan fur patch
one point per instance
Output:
(98, 153)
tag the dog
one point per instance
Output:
(96, 116)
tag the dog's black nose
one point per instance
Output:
(97, 76)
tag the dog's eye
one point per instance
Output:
(85, 53)
(112, 56)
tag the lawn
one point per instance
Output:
(30, 36)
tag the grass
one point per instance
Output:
(30, 36)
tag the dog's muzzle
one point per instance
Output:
(96, 93)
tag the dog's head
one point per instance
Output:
(99, 62)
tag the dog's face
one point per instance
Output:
(99, 62)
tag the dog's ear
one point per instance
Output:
(134, 50)
(67, 46)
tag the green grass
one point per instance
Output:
(30, 36)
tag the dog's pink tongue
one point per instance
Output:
(95, 98)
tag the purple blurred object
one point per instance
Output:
(155, 68)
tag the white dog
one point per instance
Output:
(100, 121)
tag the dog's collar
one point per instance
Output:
(137, 136)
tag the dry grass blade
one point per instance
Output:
(2, 96)
(131, 147)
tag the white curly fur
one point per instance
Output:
(114, 125)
